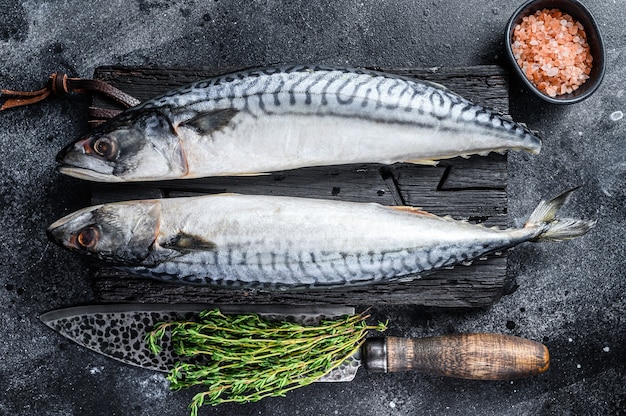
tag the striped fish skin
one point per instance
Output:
(282, 118)
(283, 242)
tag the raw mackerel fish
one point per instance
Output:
(282, 118)
(285, 242)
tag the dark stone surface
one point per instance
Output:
(570, 295)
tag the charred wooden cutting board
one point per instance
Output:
(472, 189)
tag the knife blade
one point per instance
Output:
(118, 331)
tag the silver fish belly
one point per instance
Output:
(276, 119)
(284, 242)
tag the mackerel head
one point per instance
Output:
(112, 151)
(281, 118)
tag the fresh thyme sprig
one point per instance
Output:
(244, 358)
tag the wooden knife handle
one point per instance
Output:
(470, 356)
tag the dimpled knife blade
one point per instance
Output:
(118, 330)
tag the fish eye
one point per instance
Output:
(88, 237)
(105, 146)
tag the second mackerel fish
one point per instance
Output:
(280, 118)
(284, 242)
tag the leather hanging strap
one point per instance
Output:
(60, 84)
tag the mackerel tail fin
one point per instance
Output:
(552, 228)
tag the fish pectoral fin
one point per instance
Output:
(188, 242)
(206, 122)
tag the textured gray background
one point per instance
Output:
(570, 295)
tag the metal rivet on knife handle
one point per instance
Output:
(469, 356)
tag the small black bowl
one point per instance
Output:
(594, 39)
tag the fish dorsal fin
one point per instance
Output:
(414, 211)
(206, 122)
(188, 242)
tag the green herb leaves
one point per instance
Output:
(244, 358)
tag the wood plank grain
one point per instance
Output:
(473, 189)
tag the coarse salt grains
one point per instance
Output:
(551, 49)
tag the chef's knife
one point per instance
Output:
(119, 330)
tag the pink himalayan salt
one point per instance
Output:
(551, 49)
